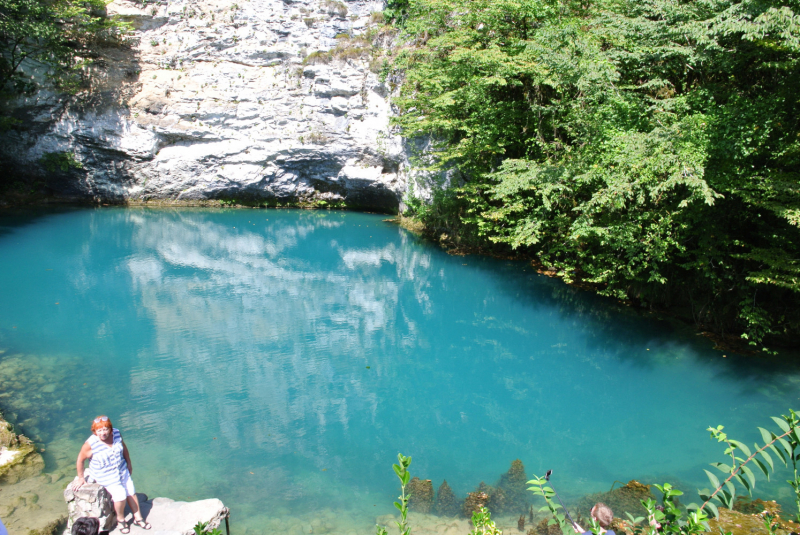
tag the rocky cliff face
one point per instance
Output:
(269, 100)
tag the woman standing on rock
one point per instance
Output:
(110, 466)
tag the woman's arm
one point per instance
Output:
(127, 457)
(85, 453)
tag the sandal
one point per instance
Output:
(142, 523)
(123, 527)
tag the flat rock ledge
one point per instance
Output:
(167, 516)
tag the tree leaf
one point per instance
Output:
(779, 453)
(744, 482)
(741, 446)
(712, 509)
(767, 458)
(767, 436)
(786, 446)
(782, 424)
(713, 479)
(722, 467)
(749, 474)
(762, 466)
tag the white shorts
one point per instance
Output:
(123, 489)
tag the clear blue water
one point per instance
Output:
(280, 359)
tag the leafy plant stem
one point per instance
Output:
(750, 458)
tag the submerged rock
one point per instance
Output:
(496, 501)
(421, 491)
(446, 502)
(515, 489)
(545, 528)
(52, 528)
(473, 502)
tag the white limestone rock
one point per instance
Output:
(18, 457)
(215, 101)
(90, 499)
(167, 516)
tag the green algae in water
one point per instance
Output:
(231, 348)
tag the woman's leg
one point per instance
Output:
(119, 508)
(133, 503)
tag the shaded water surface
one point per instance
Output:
(280, 359)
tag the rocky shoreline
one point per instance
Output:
(18, 456)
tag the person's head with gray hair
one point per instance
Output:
(86, 525)
(602, 513)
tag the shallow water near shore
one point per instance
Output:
(279, 360)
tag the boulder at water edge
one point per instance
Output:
(179, 518)
(89, 500)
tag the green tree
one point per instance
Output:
(650, 148)
(43, 41)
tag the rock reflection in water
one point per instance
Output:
(267, 347)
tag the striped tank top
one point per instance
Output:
(107, 462)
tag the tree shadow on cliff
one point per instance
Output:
(53, 144)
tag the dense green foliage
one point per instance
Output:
(51, 41)
(648, 147)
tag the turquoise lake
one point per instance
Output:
(280, 359)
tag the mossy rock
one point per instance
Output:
(740, 523)
(7, 436)
(513, 484)
(473, 502)
(27, 463)
(446, 501)
(421, 495)
(625, 499)
(55, 527)
(545, 528)
(737, 523)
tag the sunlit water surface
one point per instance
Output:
(279, 360)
